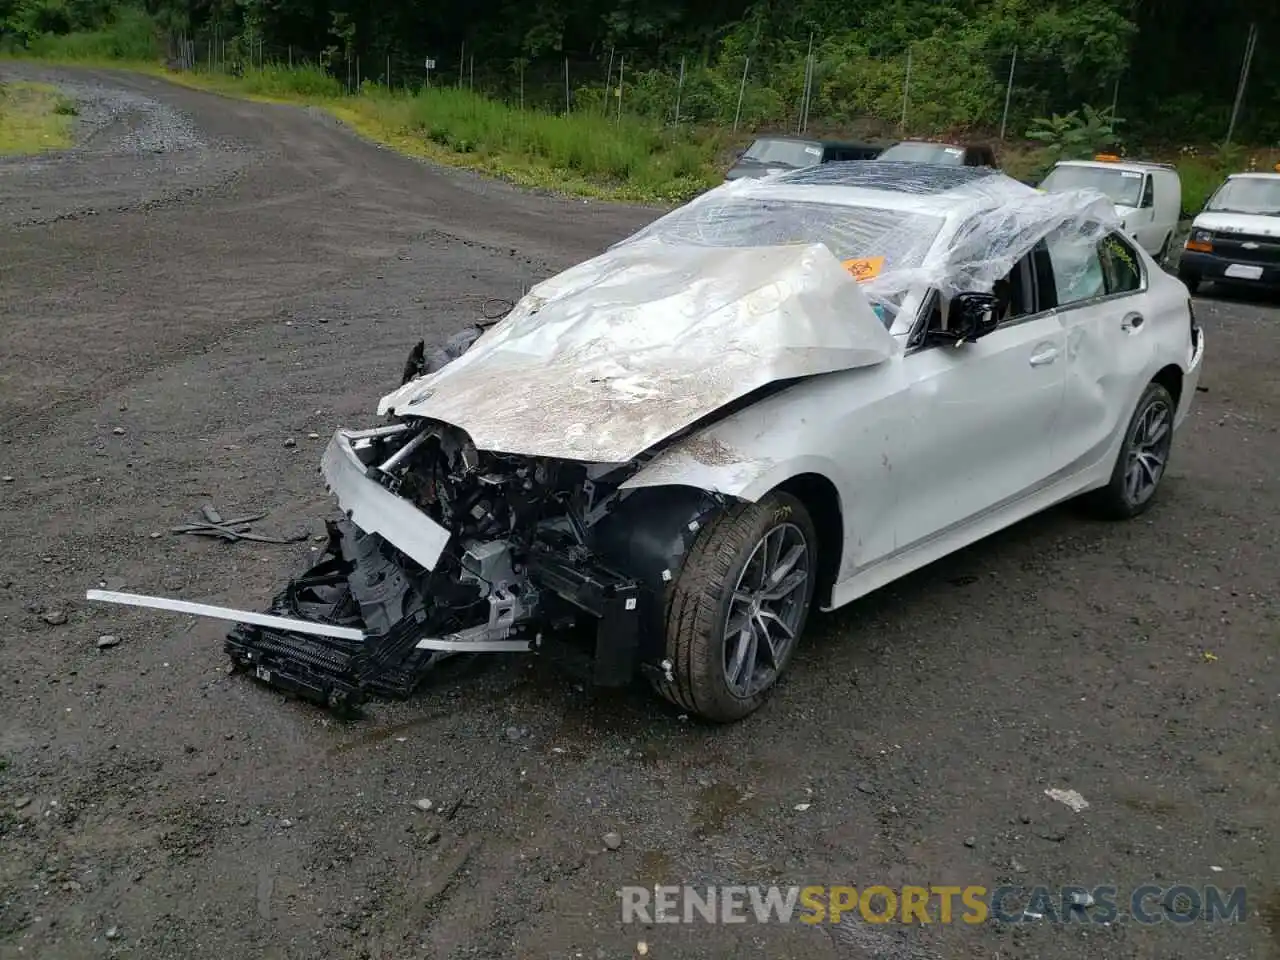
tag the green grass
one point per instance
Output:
(34, 118)
(130, 37)
(584, 153)
(581, 154)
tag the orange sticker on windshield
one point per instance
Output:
(864, 268)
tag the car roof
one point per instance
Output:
(1253, 175)
(1119, 164)
(821, 140)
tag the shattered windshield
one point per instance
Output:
(924, 153)
(870, 241)
(891, 239)
(1256, 195)
(1121, 187)
(784, 153)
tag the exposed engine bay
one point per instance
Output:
(446, 550)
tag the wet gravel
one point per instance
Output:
(157, 356)
(132, 152)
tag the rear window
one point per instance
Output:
(924, 153)
(784, 153)
(901, 238)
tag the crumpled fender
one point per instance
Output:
(738, 457)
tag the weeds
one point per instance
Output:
(130, 36)
(33, 118)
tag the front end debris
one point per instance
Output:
(444, 549)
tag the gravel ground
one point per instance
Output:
(259, 280)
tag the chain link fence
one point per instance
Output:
(934, 88)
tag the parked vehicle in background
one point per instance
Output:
(1236, 237)
(1148, 196)
(770, 155)
(951, 154)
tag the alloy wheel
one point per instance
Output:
(1148, 451)
(766, 610)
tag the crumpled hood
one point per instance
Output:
(611, 357)
(1253, 223)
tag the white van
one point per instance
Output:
(1236, 237)
(1148, 196)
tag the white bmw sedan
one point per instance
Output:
(781, 396)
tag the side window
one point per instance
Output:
(1121, 266)
(1149, 193)
(1077, 269)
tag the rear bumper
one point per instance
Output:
(1190, 379)
(1213, 268)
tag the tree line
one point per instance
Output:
(1171, 66)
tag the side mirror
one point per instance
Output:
(972, 315)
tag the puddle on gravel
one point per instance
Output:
(714, 805)
(655, 869)
(1270, 913)
(1155, 806)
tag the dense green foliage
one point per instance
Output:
(1172, 65)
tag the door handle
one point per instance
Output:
(1132, 321)
(1044, 356)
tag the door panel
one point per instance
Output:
(983, 421)
(1108, 348)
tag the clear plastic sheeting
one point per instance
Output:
(609, 358)
(751, 283)
(904, 226)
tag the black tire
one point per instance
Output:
(1191, 280)
(703, 596)
(1116, 501)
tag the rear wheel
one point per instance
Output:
(1144, 455)
(738, 607)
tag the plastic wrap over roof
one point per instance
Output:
(895, 225)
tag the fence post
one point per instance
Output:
(679, 91)
(567, 108)
(473, 73)
(1008, 93)
(462, 62)
(388, 71)
(622, 66)
(906, 89)
(808, 77)
(522, 86)
(1244, 79)
(742, 88)
(608, 81)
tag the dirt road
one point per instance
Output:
(195, 297)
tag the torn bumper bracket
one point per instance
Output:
(615, 601)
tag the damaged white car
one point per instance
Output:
(780, 396)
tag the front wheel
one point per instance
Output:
(1190, 280)
(1144, 455)
(738, 607)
